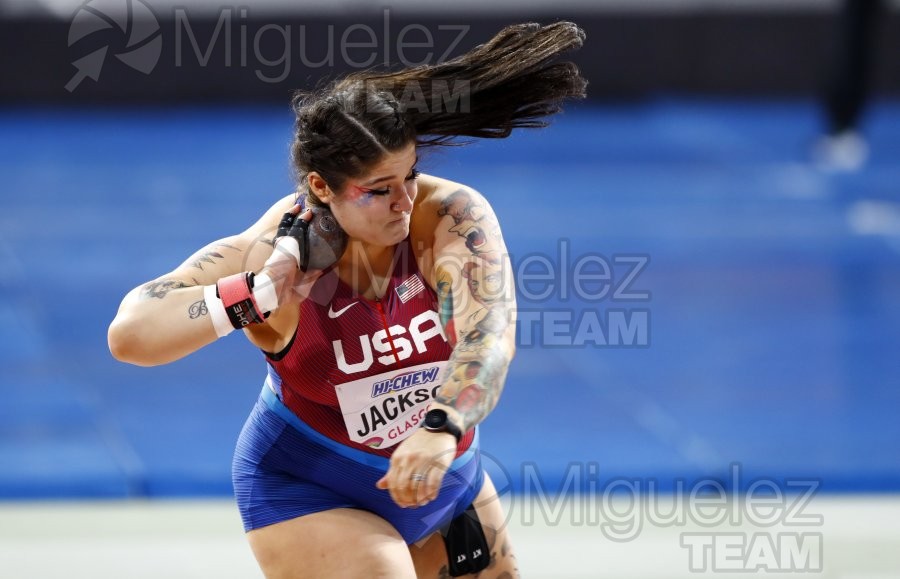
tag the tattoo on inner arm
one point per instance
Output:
(197, 309)
(159, 289)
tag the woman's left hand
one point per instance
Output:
(418, 467)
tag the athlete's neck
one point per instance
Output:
(365, 267)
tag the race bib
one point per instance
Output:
(380, 411)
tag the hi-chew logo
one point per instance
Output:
(405, 381)
(128, 28)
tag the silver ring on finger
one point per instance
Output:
(417, 477)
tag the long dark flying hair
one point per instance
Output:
(507, 83)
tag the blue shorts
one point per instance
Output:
(284, 469)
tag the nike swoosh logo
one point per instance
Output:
(333, 314)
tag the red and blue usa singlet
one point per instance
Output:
(362, 372)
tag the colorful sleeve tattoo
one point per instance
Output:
(476, 306)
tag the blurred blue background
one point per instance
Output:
(773, 280)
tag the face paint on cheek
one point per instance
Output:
(361, 197)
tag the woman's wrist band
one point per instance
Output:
(240, 300)
(216, 310)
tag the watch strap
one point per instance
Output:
(446, 424)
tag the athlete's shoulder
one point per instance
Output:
(434, 202)
(434, 192)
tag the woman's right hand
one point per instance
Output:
(292, 285)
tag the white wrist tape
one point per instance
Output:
(216, 310)
(264, 293)
(288, 245)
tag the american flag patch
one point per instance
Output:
(409, 288)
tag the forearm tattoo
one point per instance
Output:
(477, 368)
(160, 288)
(474, 379)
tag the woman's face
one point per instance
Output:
(375, 207)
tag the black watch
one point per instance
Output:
(436, 420)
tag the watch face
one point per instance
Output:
(436, 419)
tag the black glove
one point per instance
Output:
(321, 241)
(298, 228)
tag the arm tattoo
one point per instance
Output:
(210, 256)
(471, 221)
(197, 309)
(472, 385)
(159, 289)
(477, 368)
(445, 305)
